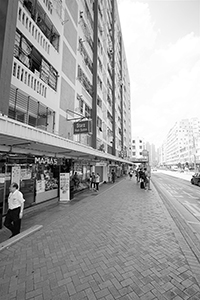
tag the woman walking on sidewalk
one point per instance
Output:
(97, 180)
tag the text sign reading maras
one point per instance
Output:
(82, 127)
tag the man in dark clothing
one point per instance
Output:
(113, 175)
(92, 182)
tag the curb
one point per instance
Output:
(20, 236)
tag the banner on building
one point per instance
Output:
(64, 187)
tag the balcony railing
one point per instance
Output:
(26, 20)
(39, 26)
(23, 74)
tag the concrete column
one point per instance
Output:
(8, 18)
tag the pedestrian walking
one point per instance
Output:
(146, 180)
(142, 178)
(15, 210)
(97, 180)
(137, 175)
(92, 181)
(113, 175)
(130, 174)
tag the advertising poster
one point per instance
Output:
(16, 174)
(40, 186)
(64, 187)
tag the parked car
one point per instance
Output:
(196, 179)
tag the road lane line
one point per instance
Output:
(193, 208)
(196, 223)
(188, 195)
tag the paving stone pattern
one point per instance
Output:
(119, 244)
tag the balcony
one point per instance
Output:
(24, 75)
(38, 29)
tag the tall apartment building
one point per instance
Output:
(61, 62)
(182, 144)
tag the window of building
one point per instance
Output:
(99, 101)
(30, 111)
(42, 20)
(34, 61)
(88, 111)
(84, 81)
(99, 123)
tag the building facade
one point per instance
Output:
(62, 62)
(181, 147)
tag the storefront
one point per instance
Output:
(46, 174)
(16, 168)
(35, 158)
(37, 178)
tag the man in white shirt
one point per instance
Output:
(15, 210)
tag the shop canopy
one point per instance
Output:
(17, 137)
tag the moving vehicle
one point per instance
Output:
(195, 179)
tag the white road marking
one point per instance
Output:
(193, 207)
(196, 223)
(189, 195)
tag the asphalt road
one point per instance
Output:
(180, 189)
(183, 201)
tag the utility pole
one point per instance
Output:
(94, 81)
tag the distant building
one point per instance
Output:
(138, 145)
(182, 145)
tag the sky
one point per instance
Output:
(162, 44)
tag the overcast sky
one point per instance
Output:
(162, 42)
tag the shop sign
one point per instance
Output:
(64, 187)
(46, 160)
(82, 127)
(101, 164)
(139, 160)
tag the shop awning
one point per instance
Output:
(17, 137)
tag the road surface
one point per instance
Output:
(183, 202)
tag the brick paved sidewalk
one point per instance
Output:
(119, 244)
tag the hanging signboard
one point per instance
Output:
(83, 127)
(64, 187)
